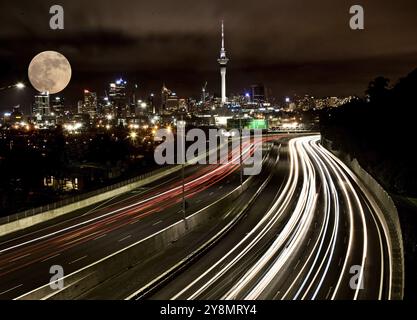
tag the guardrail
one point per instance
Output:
(82, 280)
(55, 205)
(291, 130)
(30, 217)
(390, 214)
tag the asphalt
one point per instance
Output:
(299, 240)
(95, 232)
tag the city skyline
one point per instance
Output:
(208, 150)
(153, 49)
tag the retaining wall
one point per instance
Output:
(99, 271)
(390, 214)
(26, 219)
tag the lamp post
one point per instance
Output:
(181, 136)
(19, 85)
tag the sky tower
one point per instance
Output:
(223, 60)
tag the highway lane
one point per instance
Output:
(184, 248)
(111, 226)
(318, 226)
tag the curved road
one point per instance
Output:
(315, 233)
(88, 235)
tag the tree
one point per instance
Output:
(378, 90)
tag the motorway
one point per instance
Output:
(313, 223)
(98, 231)
(298, 239)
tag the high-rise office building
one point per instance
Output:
(151, 103)
(90, 103)
(42, 105)
(118, 98)
(169, 100)
(259, 93)
(57, 106)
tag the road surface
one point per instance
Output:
(315, 233)
(96, 232)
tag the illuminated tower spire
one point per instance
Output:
(223, 60)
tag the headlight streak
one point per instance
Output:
(343, 181)
(379, 214)
(203, 177)
(332, 245)
(381, 279)
(272, 215)
(307, 157)
(325, 176)
(292, 234)
(155, 280)
(85, 231)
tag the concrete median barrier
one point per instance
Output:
(32, 220)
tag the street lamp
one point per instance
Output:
(181, 135)
(19, 85)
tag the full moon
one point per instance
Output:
(50, 72)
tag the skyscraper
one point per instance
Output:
(151, 103)
(223, 60)
(57, 106)
(169, 100)
(259, 93)
(118, 98)
(42, 106)
(90, 103)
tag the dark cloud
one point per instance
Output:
(290, 45)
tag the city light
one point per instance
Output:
(245, 188)
(120, 82)
(292, 125)
(72, 127)
(133, 135)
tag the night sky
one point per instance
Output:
(291, 46)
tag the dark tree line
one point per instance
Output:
(380, 131)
